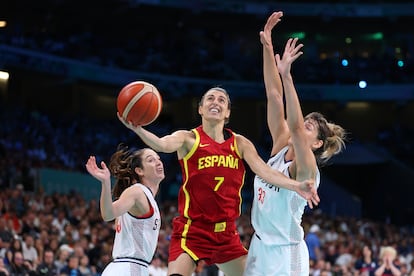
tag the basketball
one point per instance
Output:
(139, 102)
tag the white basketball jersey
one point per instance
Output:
(277, 212)
(137, 238)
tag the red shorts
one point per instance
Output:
(214, 243)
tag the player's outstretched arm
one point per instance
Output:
(169, 143)
(104, 176)
(273, 85)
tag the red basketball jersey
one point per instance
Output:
(213, 176)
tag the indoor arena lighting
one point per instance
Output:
(4, 75)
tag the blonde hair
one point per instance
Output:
(388, 250)
(332, 135)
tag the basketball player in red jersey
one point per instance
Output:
(209, 200)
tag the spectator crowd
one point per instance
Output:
(62, 234)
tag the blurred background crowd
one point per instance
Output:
(67, 60)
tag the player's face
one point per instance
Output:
(215, 106)
(153, 168)
(312, 133)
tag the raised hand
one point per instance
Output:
(126, 123)
(291, 53)
(102, 174)
(308, 191)
(266, 34)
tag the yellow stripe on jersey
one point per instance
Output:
(236, 149)
(240, 195)
(185, 164)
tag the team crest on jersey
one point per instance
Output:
(118, 227)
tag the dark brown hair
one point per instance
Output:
(122, 166)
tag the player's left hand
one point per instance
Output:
(308, 191)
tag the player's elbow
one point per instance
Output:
(107, 217)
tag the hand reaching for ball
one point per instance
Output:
(139, 102)
(129, 124)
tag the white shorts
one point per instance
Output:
(277, 260)
(127, 267)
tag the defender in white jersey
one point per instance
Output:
(137, 217)
(299, 145)
(276, 217)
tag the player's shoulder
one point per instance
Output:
(136, 188)
(243, 145)
(183, 131)
(183, 134)
(242, 140)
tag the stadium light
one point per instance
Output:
(4, 75)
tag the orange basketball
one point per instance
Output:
(139, 102)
